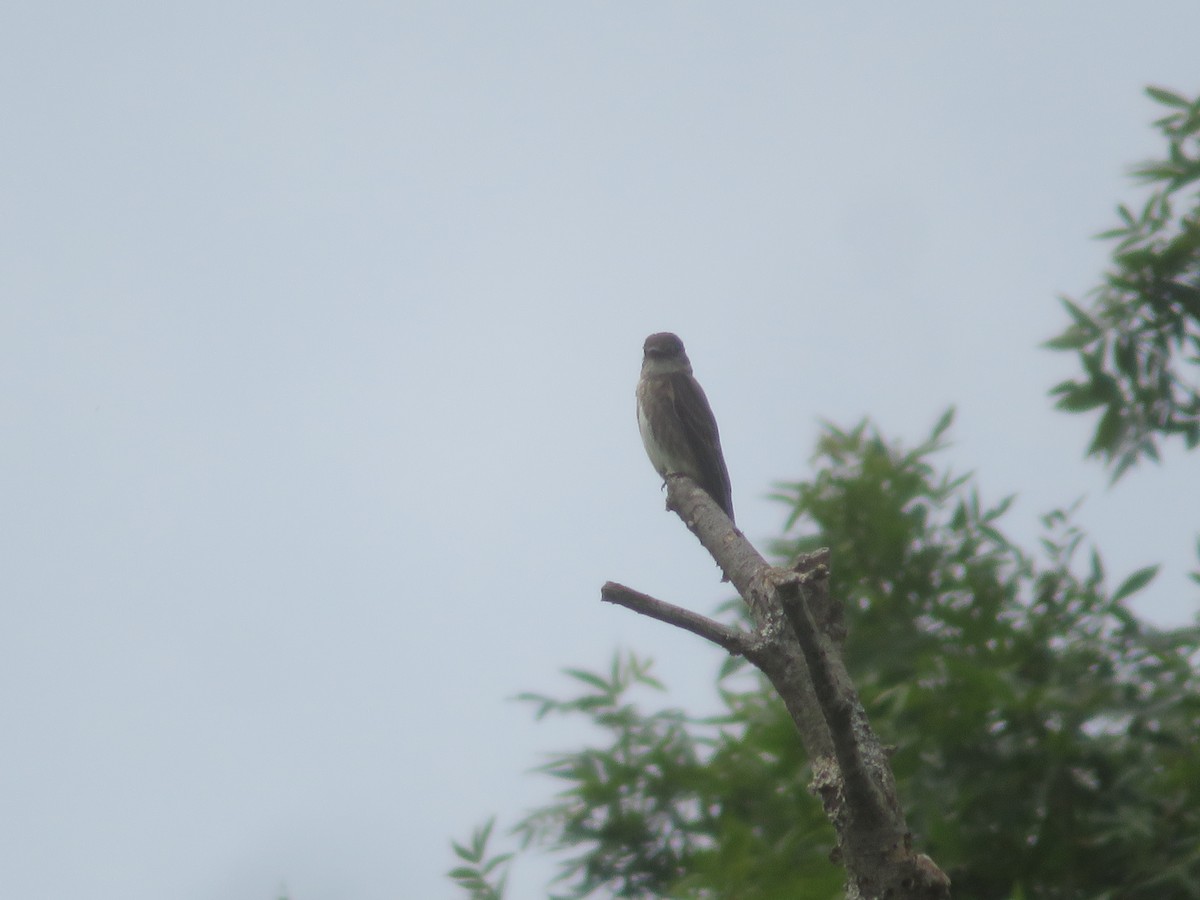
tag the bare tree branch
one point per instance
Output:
(732, 639)
(797, 645)
(838, 701)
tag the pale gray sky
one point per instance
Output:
(319, 326)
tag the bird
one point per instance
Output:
(677, 425)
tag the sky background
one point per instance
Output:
(319, 327)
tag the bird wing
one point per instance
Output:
(700, 425)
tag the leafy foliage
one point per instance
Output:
(1042, 731)
(1141, 332)
(484, 875)
(676, 805)
(1047, 743)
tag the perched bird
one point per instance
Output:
(676, 422)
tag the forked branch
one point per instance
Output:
(797, 645)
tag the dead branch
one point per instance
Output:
(797, 645)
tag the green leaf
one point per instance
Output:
(1083, 321)
(1071, 339)
(999, 509)
(946, 420)
(1168, 98)
(496, 861)
(1108, 432)
(1135, 583)
(590, 678)
(1081, 397)
(1125, 356)
(1123, 465)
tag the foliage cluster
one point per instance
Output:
(1138, 341)
(1047, 743)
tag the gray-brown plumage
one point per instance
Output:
(677, 425)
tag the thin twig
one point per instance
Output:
(734, 640)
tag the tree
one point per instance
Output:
(1046, 742)
(1132, 338)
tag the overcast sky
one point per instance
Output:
(319, 326)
